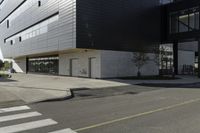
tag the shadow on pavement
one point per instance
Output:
(171, 85)
(91, 93)
(7, 80)
(55, 99)
(88, 93)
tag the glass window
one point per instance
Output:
(8, 24)
(196, 21)
(53, 19)
(31, 34)
(183, 23)
(44, 65)
(43, 30)
(34, 33)
(44, 23)
(184, 20)
(36, 27)
(36, 30)
(191, 21)
(27, 36)
(23, 37)
(39, 3)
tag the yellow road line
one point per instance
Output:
(138, 115)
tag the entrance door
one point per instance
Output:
(74, 67)
(92, 67)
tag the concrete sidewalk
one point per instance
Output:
(58, 82)
(34, 88)
(7, 98)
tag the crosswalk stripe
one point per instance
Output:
(19, 116)
(68, 130)
(27, 126)
(12, 109)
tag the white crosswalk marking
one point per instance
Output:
(33, 122)
(19, 116)
(27, 126)
(68, 130)
(12, 109)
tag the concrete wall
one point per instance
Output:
(1, 55)
(19, 65)
(119, 64)
(185, 58)
(83, 62)
(109, 64)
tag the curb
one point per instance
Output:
(69, 95)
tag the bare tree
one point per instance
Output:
(156, 58)
(140, 59)
(159, 55)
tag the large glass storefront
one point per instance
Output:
(166, 59)
(47, 65)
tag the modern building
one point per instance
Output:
(93, 38)
(79, 38)
(181, 28)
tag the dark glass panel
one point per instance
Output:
(48, 65)
(183, 23)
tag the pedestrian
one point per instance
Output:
(9, 73)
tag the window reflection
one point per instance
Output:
(184, 21)
(47, 65)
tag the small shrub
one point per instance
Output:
(7, 65)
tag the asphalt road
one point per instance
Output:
(161, 110)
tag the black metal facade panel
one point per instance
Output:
(184, 4)
(127, 25)
(164, 24)
(184, 37)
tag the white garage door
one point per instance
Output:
(74, 67)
